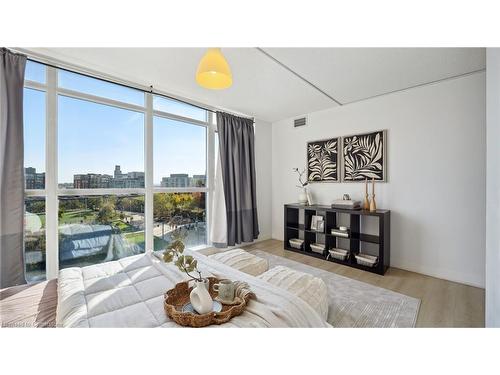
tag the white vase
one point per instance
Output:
(303, 197)
(205, 283)
(200, 298)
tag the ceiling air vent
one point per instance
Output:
(300, 122)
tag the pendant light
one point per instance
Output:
(213, 71)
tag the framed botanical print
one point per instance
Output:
(364, 157)
(322, 160)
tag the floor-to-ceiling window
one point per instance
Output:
(180, 162)
(35, 102)
(110, 171)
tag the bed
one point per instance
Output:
(129, 293)
(29, 306)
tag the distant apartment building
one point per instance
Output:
(118, 172)
(198, 180)
(33, 179)
(176, 180)
(80, 181)
(183, 180)
(66, 185)
(130, 180)
(92, 181)
(105, 181)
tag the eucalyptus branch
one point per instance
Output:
(301, 174)
(191, 276)
(186, 264)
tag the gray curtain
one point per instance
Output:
(237, 156)
(11, 169)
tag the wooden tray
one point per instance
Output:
(177, 297)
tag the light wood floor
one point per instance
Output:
(443, 303)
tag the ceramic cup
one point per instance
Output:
(225, 288)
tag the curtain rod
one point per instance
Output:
(139, 88)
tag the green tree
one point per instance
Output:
(189, 206)
(106, 213)
(163, 208)
(35, 206)
(124, 204)
(94, 203)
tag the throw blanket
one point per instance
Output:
(129, 293)
(311, 289)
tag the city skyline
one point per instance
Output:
(118, 179)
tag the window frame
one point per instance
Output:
(52, 191)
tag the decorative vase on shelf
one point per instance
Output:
(303, 196)
(200, 298)
(366, 202)
(309, 197)
(373, 204)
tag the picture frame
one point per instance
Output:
(315, 222)
(322, 160)
(364, 156)
(320, 226)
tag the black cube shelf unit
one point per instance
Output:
(292, 229)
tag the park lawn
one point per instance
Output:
(135, 237)
(124, 227)
(76, 216)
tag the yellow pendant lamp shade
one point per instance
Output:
(213, 71)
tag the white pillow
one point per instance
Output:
(242, 261)
(311, 289)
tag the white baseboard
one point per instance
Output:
(439, 274)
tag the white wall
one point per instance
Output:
(493, 188)
(263, 146)
(436, 172)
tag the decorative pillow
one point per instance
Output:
(311, 289)
(242, 261)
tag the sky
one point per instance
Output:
(93, 138)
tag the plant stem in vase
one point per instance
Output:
(303, 196)
(200, 297)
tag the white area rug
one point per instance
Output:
(353, 303)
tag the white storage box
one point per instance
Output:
(340, 233)
(317, 248)
(296, 243)
(366, 260)
(339, 254)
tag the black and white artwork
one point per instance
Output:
(364, 157)
(322, 159)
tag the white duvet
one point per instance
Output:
(129, 293)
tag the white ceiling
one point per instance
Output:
(352, 74)
(267, 89)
